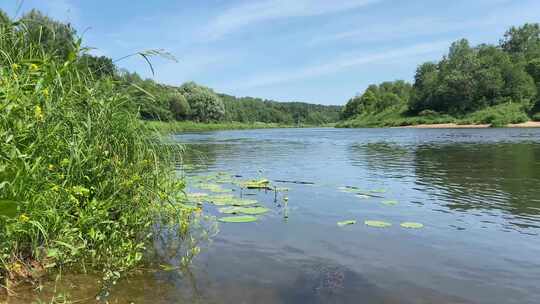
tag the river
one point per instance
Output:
(476, 192)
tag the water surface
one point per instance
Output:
(476, 191)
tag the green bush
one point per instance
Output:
(497, 116)
(536, 117)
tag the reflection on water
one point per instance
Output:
(476, 192)
(501, 177)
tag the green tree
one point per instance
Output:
(179, 106)
(98, 66)
(204, 103)
(55, 37)
(522, 40)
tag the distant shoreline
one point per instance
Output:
(528, 124)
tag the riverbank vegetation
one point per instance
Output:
(83, 180)
(191, 126)
(198, 104)
(486, 84)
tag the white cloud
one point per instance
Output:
(497, 14)
(340, 64)
(251, 12)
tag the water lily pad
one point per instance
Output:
(244, 210)
(390, 202)
(257, 184)
(253, 210)
(345, 223)
(238, 219)
(230, 210)
(380, 190)
(362, 196)
(222, 200)
(243, 202)
(378, 224)
(411, 225)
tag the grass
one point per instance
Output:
(496, 116)
(88, 178)
(191, 126)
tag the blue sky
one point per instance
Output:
(320, 51)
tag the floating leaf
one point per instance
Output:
(281, 189)
(229, 210)
(253, 210)
(222, 200)
(411, 225)
(378, 224)
(196, 197)
(238, 219)
(244, 210)
(362, 196)
(257, 184)
(380, 190)
(390, 202)
(345, 223)
(243, 202)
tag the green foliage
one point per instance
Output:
(53, 37)
(251, 110)
(469, 79)
(524, 40)
(378, 98)
(536, 117)
(497, 116)
(204, 103)
(87, 176)
(179, 106)
(471, 84)
(98, 66)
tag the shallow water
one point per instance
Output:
(477, 191)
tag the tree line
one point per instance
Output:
(466, 80)
(156, 101)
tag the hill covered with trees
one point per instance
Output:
(491, 84)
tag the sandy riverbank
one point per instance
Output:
(528, 124)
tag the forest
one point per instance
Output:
(484, 84)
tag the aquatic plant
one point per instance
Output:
(377, 224)
(411, 225)
(239, 219)
(257, 184)
(346, 223)
(390, 202)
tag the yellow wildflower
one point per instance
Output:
(51, 167)
(15, 66)
(38, 113)
(34, 67)
(24, 218)
(46, 92)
